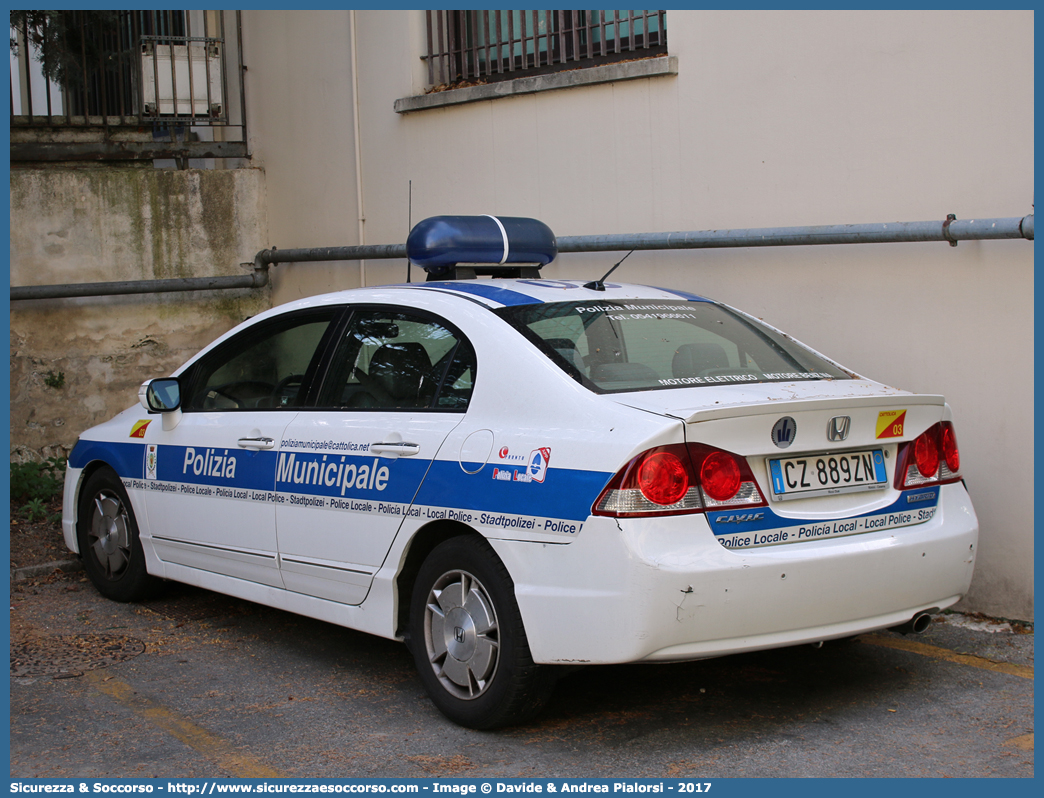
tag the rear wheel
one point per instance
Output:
(468, 640)
(109, 542)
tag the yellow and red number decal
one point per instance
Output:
(138, 430)
(890, 423)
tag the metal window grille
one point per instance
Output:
(499, 45)
(120, 68)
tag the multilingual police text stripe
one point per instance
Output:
(563, 493)
(760, 526)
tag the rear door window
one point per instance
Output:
(399, 360)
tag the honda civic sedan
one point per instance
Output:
(517, 474)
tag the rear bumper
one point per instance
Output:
(663, 589)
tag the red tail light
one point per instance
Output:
(680, 478)
(663, 478)
(926, 455)
(949, 447)
(931, 459)
(720, 476)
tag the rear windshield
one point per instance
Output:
(639, 345)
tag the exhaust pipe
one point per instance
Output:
(916, 625)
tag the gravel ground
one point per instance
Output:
(195, 684)
(37, 542)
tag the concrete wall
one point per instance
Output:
(775, 118)
(90, 225)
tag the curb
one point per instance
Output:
(29, 571)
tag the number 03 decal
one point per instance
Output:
(890, 423)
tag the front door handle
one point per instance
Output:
(400, 448)
(260, 442)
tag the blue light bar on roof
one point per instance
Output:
(442, 242)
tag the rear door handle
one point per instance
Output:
(256, 443)
(400, 448)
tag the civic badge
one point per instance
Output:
(838, 427)
(784, 431)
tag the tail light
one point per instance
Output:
(676, 479)
(952, 456)
(931, 459)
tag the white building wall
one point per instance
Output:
(774, 118)
(300, 120)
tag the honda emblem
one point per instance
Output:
(838, 427)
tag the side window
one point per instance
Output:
(399, 361)
(267, 366)
(566, 335)
(459, 380)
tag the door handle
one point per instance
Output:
(256, 443)
(400, 448)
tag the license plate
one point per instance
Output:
(827, 474)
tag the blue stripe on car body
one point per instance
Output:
(491, 292)
(564, 493)
(126, 459)
(756, 519)
(683, 294)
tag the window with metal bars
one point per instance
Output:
(117, 64)
(483, 46)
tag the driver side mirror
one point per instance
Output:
(161, 395)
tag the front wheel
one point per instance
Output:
(109, 542)
(468, 640)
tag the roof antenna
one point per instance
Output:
(599, 285)
(409, 221)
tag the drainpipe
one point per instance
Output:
(358, 147)
(369, 252)
(951, 230)
(257, 279)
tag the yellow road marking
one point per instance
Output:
(935, 652)
(214, 748)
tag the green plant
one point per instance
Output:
(35, 510)
(55, 381)
(37, 482)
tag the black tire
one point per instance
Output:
(109, 543)
(467, 638)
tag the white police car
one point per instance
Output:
(513, 474)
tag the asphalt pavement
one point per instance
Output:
(199, 685)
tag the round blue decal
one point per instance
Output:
(784, 432)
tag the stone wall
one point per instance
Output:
(76, 362)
